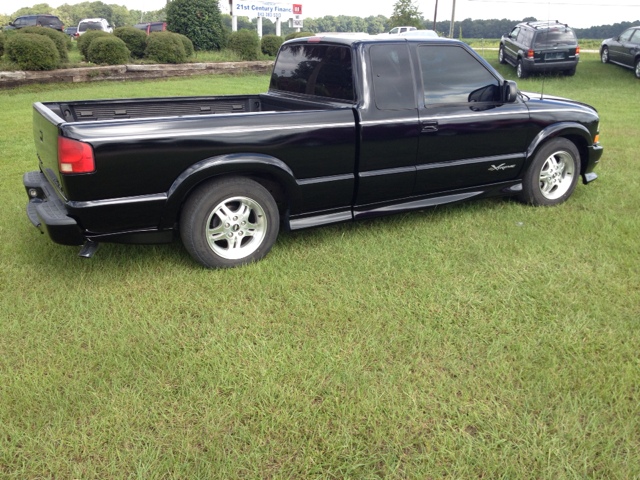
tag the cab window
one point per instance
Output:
(450, 74)
(392, 77)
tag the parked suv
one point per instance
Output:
(50, 21)
(623, 50)
(540, 47)
(93, 24)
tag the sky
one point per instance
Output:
(577, 13)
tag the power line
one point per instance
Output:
(563, 3)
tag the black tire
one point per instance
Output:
(571, 72)
(604, 55)
(248, 233)
(636, 68)
(501, 55)
(520, 71)
(544, 185)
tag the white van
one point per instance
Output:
(93, 24)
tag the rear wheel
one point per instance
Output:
(553, 175)
(520, 71)
(571, 72)
(501, 55)
(229, 222)
(604, 55)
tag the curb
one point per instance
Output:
(129, 72)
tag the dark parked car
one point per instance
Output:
(540, 47)
(71, 31)
(351, 128)
(623, 50)
(151, 27)
(50, 21)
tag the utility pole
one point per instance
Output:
(435, 15)
(453, 16)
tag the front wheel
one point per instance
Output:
(520, 71)
(501, 55)
(229, 222)
(553, 175)
(604, 55)
(636, 69)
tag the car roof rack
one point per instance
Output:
(546, 24)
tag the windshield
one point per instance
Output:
(555, 37)
(323, 70)
(84, 26)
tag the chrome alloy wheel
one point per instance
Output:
(501, 55)
(637, 69)
(236, 227)
(556, 175)
(605, 55)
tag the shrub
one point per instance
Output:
(270, 44)
(199, 20)
(110, 50)
(59, 39)
(188, 45)
(136, 40)
(32, 52)
(165, 47)
(245, 43)
(84, 41)
(299, 35)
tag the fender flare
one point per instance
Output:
(562, 129)
(241, 164)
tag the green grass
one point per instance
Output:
(482, 340)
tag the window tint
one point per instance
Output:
(84, 26)
(555, 37)
(156, 28)
(626, 36)
(392, 77)
(31, 21)
(451, 75)
(49, 21)
(323, 70)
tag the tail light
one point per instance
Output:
(530, 54)
(74, 156)
(578, 49)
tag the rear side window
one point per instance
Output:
(555, 37)
(450, 74)
(156, 28)
(84, 26)
(322, 70)
(392, 77)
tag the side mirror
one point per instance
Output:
(11, 24)
(510, 91)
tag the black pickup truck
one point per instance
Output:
(351, 128)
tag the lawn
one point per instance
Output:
(482, 340)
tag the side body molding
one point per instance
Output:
(238, 163)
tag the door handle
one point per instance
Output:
(429, 126)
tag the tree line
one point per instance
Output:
(121, 16)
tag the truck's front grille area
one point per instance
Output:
(150, 110)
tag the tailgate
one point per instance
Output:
(45, 136)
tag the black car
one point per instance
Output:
(540, 47)
(71, 31)
(623, 50)
(50, 21)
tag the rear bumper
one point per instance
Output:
(530, 66)
(48, 213)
